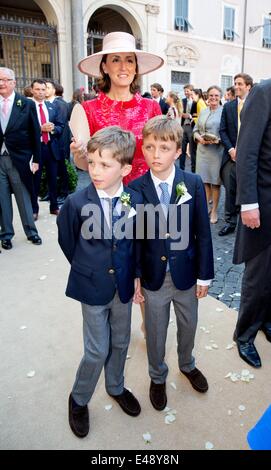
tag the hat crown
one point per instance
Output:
(119, 41)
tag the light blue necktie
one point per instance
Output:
(165, 197)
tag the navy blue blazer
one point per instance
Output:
(22, 137)
(163, 106)
(55, 116)
(99, 266)
(229, 128)
(187, 265)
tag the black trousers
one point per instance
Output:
(255, 310)
(51, 165)
(228, 175)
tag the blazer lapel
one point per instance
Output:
(179, 178)
(149, 190)
(15, 113)
(94, 198)
(235, 114)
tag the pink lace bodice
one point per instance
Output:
(129, 115)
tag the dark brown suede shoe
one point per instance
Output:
(78, 418)
(127, 402)
(158, 396)
(197, 380)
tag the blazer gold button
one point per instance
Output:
(163, 258)
(111, 271)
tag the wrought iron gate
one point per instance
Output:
(30, 48)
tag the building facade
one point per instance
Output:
(203, 42)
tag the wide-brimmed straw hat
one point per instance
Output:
(120, 42)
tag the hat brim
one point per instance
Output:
(146, 62)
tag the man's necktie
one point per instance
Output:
(5, 107)
(165, 197)
(239, 109)
(44, 135)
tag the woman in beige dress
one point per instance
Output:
(209, 149)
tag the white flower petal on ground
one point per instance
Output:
(130, 390)
(228, 375)
(237, 294)
(31, 374)
(166, 409)
(170, 320)
(42, 278)
(241, 408)
(173, 385)
(51, 260)
(170, 418)
(241, 424)
(229, 412)
(108, 407)
(202, 328)
(207, 332)
(23, 327)
(147, 437)
(219, 309)
(226, 252)
(128, 357)
(209, 445)
(214, 346)
(209, 348)
(230, 346)
(245, 373)
(221, 295)
(219, 258)
(234, 378)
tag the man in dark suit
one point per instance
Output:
(253, 240)
(19, 142)
(229, 124)
(157, 94)
(189, 107)
(51, 127)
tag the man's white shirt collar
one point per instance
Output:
(10, 98)
(169, 181)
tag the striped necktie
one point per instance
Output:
(165, 197)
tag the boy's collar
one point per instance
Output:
(169, 180)
(103, 194)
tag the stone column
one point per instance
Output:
(77, 42)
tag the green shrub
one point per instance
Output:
(72, 179)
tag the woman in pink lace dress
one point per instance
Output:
(118, 103)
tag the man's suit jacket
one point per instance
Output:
(163, 105)
(192, 110)
(91, 280)
(188, 265)
(22, 137)
(229, 128)
(253, 170)
(55, 116)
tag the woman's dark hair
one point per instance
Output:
(198, 92)
(105, 83)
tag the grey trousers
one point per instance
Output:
(106, 333)
(11, 180)
(157, 311)
(255, 311)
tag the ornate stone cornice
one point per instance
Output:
(179, 53)
(152, 9)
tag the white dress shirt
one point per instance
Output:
(103, 196)
(45, 110)
(170, 181)
(10, 100)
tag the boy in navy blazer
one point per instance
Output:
(103, 270)
(181, 273)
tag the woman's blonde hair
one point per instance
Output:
(177, 102)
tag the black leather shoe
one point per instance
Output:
(267, 332)
(197, 380)
(127, 402)
(6, 244)
(78, 418)
(226, 230)
(158, 396)
(35, 239)
(249, 354)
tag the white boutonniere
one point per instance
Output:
(181, 190)
(182, 194)
(19, 103)
(125, 199)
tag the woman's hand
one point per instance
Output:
(79, 151)
(202, 141)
